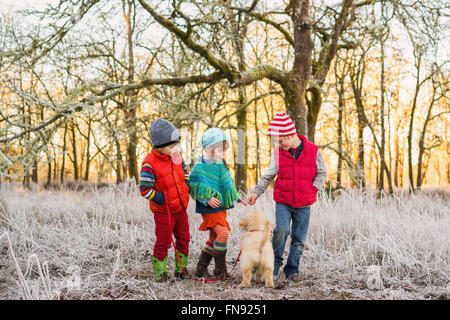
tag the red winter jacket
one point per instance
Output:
(294, 184)
(169, 179)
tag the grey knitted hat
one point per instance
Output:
(163, 133)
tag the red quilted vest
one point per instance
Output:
(294, 182)
(169, 179)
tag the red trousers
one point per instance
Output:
(179, 228)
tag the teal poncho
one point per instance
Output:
(211, 179)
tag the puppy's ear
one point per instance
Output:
(268, 225)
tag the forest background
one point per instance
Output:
(368, 81)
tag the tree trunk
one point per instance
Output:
(119, 177)
(131, 104)
(297, 79)
(74, 150)
(422, 139)
(373, 163)
(257, 137)
(397, 159)
(382, 146)
(63, 164)
(361, 167)
(49, 171)
(55, 167)
(341, 105)
(239, 32)
(88, 145)
(242, 150)
(420, 160)
(313, 112)
(294, 96)
(34, 172)
(362, 123)
(401, 170)
(411, 121)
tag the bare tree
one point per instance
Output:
(440, 86)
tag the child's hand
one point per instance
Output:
(244, 203)
(252, 199)
(213, 202)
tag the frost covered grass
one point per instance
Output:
(97, 243)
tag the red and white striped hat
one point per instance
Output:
(281, 125)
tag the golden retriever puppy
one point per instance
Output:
(257, 251)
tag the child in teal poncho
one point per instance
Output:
(214, 191)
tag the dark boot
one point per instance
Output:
(221, 264)
(203, 263)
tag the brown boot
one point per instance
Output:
(221, 264)
(203, 263)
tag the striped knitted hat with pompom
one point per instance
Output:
(281, 125)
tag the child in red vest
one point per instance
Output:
(301, 173)
(164, 180)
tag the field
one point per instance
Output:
(96, 243)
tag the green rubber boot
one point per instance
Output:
(178, 270)
(159, 267)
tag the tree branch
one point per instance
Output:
(259, 72)
(245, 105)
(328, 51)
(226, 68)
(263, 18)
(118, 89)
(60, 34)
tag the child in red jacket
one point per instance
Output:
(164, 180)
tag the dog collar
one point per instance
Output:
(258, 230)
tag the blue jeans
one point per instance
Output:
(284, 214)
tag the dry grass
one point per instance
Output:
(96, 243)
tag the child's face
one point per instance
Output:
(168, 150)
(216, 151)
(285, 142)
